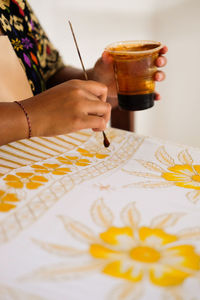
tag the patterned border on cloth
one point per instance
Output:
(32, 209)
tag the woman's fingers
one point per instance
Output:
(97, 113)
(90, 104)
(159, 76)
(157, 96)
(106, 57)
(96, 88)
(100, 109)
(95, 122)
(164, 50)
(161, 61)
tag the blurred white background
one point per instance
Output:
(175, 23)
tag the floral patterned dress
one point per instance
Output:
(37, 55)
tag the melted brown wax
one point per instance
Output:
(105, 140)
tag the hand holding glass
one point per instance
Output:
(134, 68)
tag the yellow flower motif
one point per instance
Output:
(130, 252)
(6, 201)
(17, 44)
(5, 23)
(87, 153)
(29, 180)
(187, 176)
(141, 256)
(4, 4)
(70, 160)
(51, 168)
(130, 255)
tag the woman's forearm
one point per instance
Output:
(13, 123)
(67, 107)
(67, 73)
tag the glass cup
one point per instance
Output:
(134, 68)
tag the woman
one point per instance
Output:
(62, 101)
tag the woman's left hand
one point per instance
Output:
(103, 72)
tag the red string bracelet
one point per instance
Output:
(27, 118)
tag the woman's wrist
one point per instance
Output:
(27, 118)
(68, 73)
(13, 123)
(36, 114)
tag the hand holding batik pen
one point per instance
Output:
(105, 139)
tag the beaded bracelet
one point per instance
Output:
(27, 118)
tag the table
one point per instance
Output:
(79, 221)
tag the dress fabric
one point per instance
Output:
(36, 53)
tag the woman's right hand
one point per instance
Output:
(69, 107)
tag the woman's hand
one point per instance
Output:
(103, 72)
(68, 107)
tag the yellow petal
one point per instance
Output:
(33, 185)
(1, 193)
(83, 162)
(146, 233)
(64, 160)
(15, 184)
(10, 198)
(190, 259)
(182, 169)
(39, 178)
(72, 157)
(189, 185)
(24, 175)
(99, 251)
(61, 171)
(85, 152)
(40, 169)
(115, 269)
(111, 235)
(101, 156)
(197, 169)
(51, 166)
(175, 177)
(167, 276)
(11, 178)
(5, 207)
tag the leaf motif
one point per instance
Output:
(79, 230)
(166, 220)
(101, 214)
(151, 185)
(126, 291)
(130, 215)
(189, 233)
(150, 166)
(193, 196)
(142, 174)
(185, 158)
(59, 250)
(63, 271)
(163, 157)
